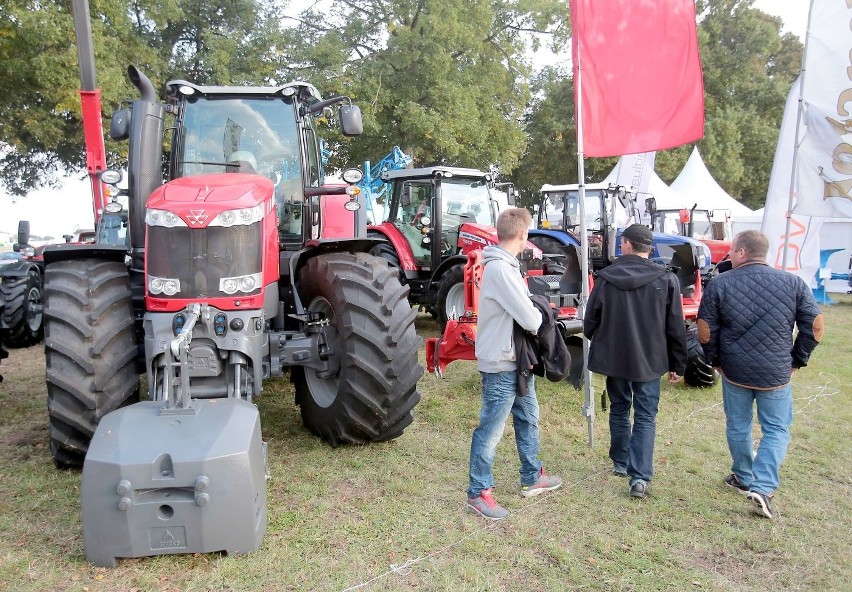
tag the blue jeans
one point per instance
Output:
(775, 414)
(632, 449)
(499, 398)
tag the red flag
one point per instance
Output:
(637, 75)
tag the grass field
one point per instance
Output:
(391, 516)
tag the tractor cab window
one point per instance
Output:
(465, 200)
(414, 218)
(240, 135)
(553, 205)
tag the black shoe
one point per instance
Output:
(619, 473)
(734, 483)
(639, 489)
(760, 503)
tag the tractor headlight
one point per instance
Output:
(163, 218)
(242, 283)
(240, 217)
(167, 286)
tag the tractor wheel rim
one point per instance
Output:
(324, 390)
(35, 311)
(455, 299)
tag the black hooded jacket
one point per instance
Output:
(543, 353)
(635, 320)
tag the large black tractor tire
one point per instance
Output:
(450, 295)
(698, 372)
(23, 314)
(90, 348)
(372, 335)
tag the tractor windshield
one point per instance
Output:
(247, 135)
(466, 200)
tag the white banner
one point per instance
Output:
(802, 241)
(824, 168)
(634, 174)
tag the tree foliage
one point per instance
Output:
(450, 81)
(444, 79)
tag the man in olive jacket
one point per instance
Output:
(635, 320)
(745, 324)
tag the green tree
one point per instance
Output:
(221, 42)
(444, 79)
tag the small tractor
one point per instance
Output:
(608, 210)
(711, 227)
(434, 218)
(21, 288)
(227, 281)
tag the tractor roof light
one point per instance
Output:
(187, 91)
(111, 176)
(113, 207)
(352, 176)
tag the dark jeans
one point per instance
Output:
(632, 449)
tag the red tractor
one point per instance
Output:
(231, 223)
(228, 282)
(434, 218)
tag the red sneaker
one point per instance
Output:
(485, 505)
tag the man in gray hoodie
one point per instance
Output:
(504, 300)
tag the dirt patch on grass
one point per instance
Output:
(752, 571)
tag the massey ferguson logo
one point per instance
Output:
(197, 217)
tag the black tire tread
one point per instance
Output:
(14, 292)
(90, 348)
(378, 362)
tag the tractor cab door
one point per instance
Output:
(413, 218)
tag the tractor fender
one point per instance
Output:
(562, 236)
(446, 265)
(19, 269)
(70, 251)
(290, 264)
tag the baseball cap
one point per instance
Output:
(636, 233)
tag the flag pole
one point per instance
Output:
(794, 172)
(589, 402)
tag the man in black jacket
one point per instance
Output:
(634, 318)
(745, 323)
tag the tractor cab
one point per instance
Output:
(440, 211)
(607, 209)
(436, 216)
(712, 227)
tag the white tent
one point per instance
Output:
(697, 185)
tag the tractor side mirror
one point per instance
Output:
(24, 232)
(651, 205)
(406, 195)
(510, 195)
(119, 127)
(351, 122)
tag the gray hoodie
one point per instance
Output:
(503, 299)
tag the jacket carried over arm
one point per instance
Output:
(634, 318)
(746, 321)
(503, 300)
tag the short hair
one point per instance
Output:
(511, 222)
(638, 247)
(753, 242)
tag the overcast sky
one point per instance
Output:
(58, 212)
